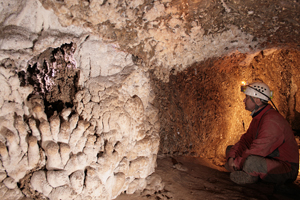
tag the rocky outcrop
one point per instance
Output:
(77, 96)
(173, 34)
(77, 117)
(109, 140)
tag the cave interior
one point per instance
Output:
(199, 102)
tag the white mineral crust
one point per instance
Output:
(113, 146)
(77, 180)
(57, 178)
(33, 152)
(106, 143)
(39, 183)
(34, 130)
(55, 126)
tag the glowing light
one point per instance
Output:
(243, 86)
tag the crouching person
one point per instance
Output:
(268, 149)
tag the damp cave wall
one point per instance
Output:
(202, 109)
(153, 76)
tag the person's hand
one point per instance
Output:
(231, 166)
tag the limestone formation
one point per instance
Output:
(55, 126)
(136, 185)
(64, 153)
(53, 156)
(63, 192)
(77, 119)
(77, 181)
(33, 152)
(67, 144)
(108, 139)
(84, 87)
(57, 178)
(39, 183)
(64, 133)
(34, 130)
(45, 133)
(77, 134)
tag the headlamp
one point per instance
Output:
(244, 86)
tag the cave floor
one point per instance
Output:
(189, 178)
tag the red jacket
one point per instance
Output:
(269, 135)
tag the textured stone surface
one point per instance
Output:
(170, 34)
(89, 88)
(62, 147)
(202, 109)
(80, 102)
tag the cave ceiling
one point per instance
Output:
(174, 34)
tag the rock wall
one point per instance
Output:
(173, 34)
(77, 120)
(87, 86)
(202, 109)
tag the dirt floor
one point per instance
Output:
(190, 178)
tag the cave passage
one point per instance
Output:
(202, 109)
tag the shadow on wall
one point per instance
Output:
(54, 75)
(296, 123)
(202, 109)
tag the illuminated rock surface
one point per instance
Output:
(92, 91)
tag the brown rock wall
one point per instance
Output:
(202, 110)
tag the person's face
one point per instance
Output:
(249, 105)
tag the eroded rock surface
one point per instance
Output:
(101, 139)
(109, 142)
(170, 34)
(202, 107)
